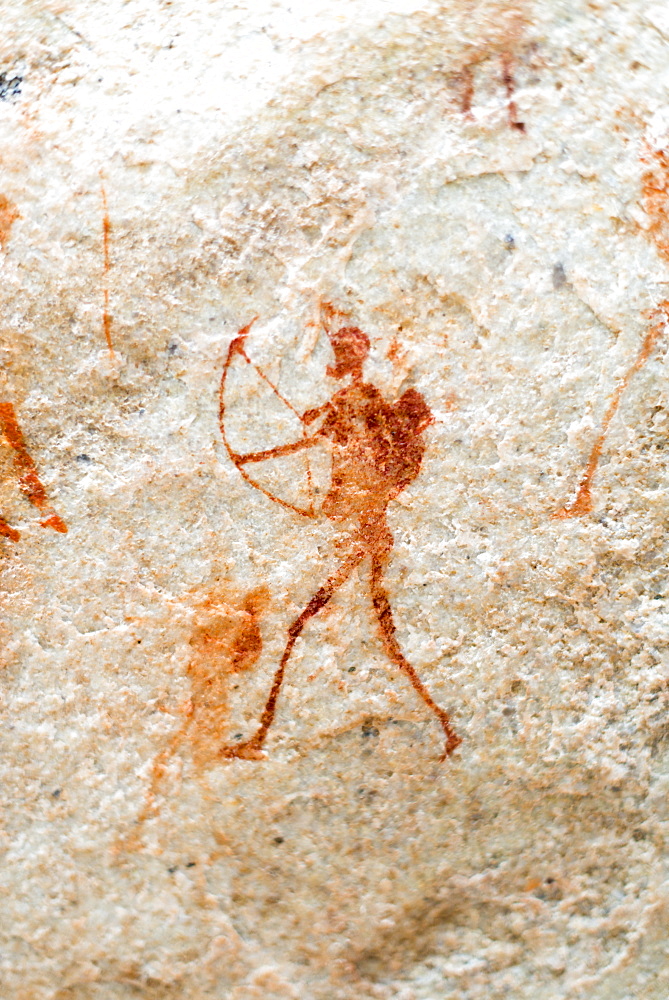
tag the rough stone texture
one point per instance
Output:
(255, 159)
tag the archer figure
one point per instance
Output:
(377, 449)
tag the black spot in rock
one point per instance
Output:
(10, 86)
(559, 276)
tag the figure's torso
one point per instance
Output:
(361, 427)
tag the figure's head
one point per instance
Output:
(350, 346)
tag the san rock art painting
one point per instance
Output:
(654, 190)
(376, 450)
(466, 81)
(26, 473)
(582, 502)
(11, 436)
(225, 642)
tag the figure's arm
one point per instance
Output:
(288, 449)
(282, 449)
(310, 415)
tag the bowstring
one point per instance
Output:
(290, 406)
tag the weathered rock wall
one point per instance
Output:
(481, 188)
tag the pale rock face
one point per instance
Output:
(482, 188)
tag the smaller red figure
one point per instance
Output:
(377, 450)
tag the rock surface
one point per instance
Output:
(482, 188)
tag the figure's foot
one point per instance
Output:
(251, 750)
(453, 741)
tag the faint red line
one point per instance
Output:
(106, 230)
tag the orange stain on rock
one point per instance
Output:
(29, 481)
(9, 213)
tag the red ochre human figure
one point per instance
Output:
(377, 450)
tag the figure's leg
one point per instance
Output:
(252, 749)
(392, 647)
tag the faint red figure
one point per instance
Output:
(465, 79)
(582, 503)
(377, 449)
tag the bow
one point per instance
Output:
(237, 348)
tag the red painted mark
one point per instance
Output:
(582, 504)
(655, 196)
(510, 85)
(29, 481)
(466, 81)
(377, 449)
(394, 351)
(9, 213)
(106, 230)
(7, 531)
(225, 641)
